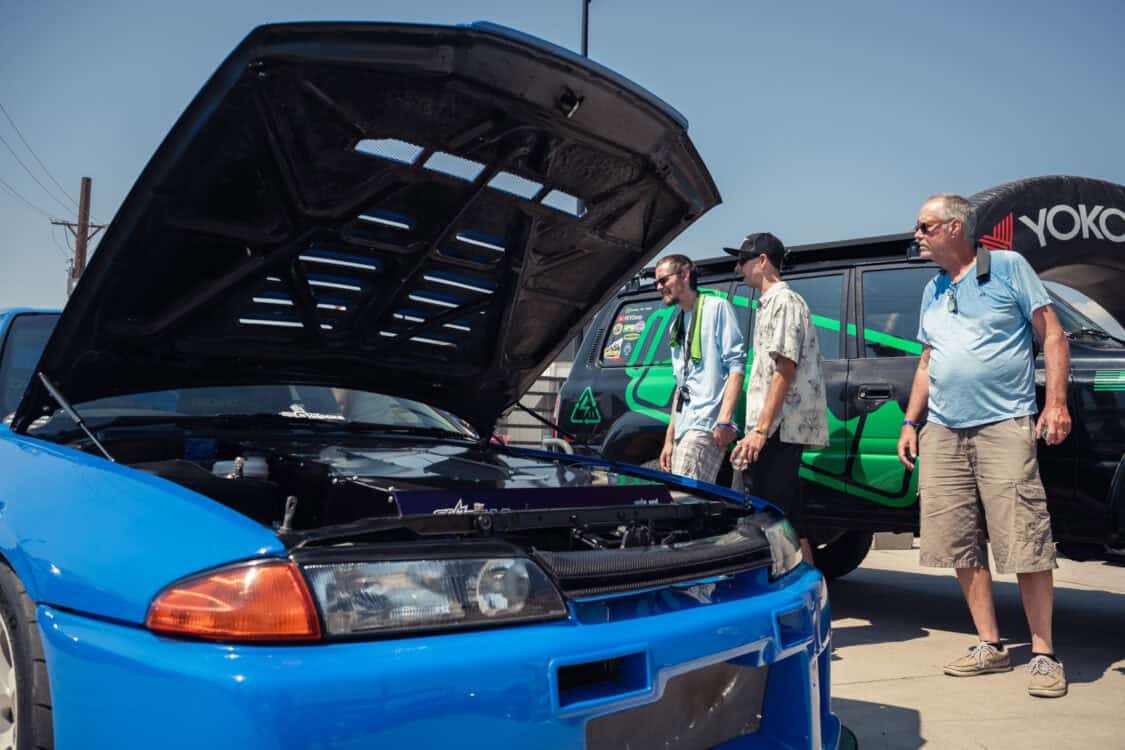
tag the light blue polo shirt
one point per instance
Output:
(981, 364)
(722, 350)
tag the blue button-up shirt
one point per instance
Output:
(723, 352)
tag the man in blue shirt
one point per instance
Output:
(976, 375)
(708, 362)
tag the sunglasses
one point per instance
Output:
(925, 227)
(664, 279)
(951, 300)
(745, 258)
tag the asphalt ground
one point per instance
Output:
(896, 623)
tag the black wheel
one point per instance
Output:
(25, 695)
(842, 554)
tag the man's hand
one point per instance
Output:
(666, 457)
(908, 446)
(747, 450)
(1056, 421)
(723, 437)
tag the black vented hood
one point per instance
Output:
(425, 211)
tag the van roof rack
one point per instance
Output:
(879, 247)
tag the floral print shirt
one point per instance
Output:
(783, 327)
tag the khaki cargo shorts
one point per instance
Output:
(997, 463)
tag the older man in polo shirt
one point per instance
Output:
(977, 377)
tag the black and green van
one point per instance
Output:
(864, 298)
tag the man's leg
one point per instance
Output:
(1018, 521)
(1038, 593)
(1020, 528)
(696, 456)
(775, 477)
(952, 536)
(976, 584)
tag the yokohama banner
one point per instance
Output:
(1071, 230)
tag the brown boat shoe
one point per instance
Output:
(983, 658)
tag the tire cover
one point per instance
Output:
(1071, 230)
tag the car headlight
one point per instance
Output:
(785, 547)
(358, 598)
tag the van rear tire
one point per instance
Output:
(843, 554)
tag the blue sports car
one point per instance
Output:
(248, 492)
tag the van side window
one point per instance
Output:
(637, 335)
(824, 295)
(891, 299)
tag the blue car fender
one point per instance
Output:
(99, 538)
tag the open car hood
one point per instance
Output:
(430, 212)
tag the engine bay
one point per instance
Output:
(323, 490)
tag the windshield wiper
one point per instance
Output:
(1095, 332)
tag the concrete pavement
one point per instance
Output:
(895, 624)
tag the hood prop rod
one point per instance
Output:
(56, 394)
(548, 423)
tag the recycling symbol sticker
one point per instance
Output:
(586, 410)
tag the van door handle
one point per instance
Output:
(876, 391)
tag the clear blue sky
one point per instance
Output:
(819, 121)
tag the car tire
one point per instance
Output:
(843, 554)
(25, 701)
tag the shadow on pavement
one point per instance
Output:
(902, 606)
(878, 725)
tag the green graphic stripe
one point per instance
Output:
(893, 342)
(1109, 380)
(878, 337)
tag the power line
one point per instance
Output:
(25, 168)
(19, 195)
(36, 156)
(57, 244)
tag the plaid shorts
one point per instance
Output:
(695, 455)
(983, 478)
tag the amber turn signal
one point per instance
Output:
(260, 601)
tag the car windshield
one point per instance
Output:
(275, 403)
(28, 334)
(1071, 319)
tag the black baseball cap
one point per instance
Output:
(760, 243)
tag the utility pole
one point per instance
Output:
(585, 28)
(83, 232)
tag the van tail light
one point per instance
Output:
(257, 601)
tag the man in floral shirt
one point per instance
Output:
(786, 411)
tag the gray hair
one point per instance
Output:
(955, 206)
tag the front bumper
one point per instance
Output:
(123, 687)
